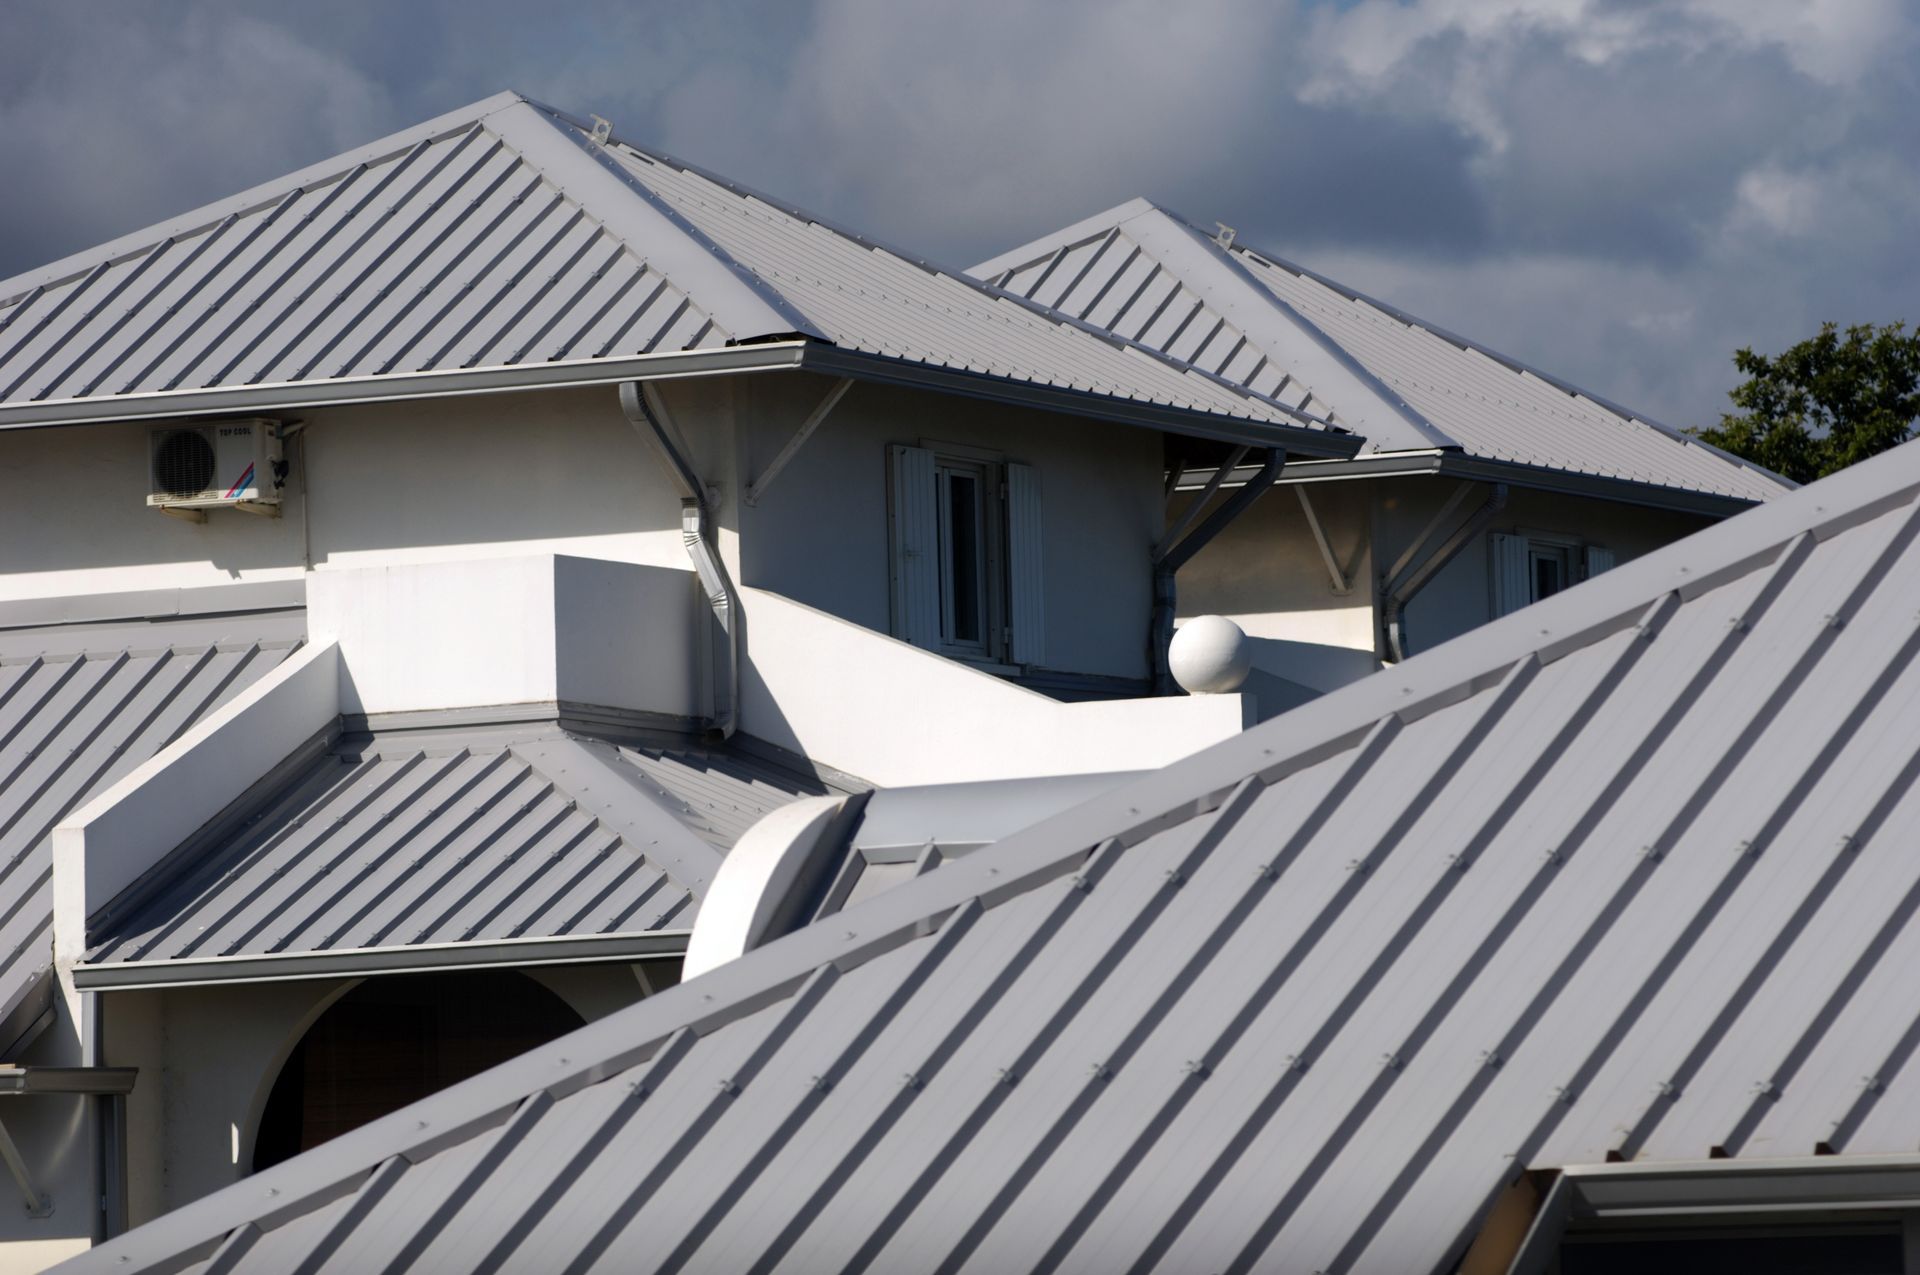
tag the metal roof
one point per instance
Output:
(512, 236)
(1300, 337)
(80, 707)
(1622, 873)
(472, 836)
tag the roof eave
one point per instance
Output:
(281, 967)
(1626, 491)
(770, 356)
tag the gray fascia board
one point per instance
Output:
(1558, 481)
(1197, 251)
(77, 1080)
(592, 949)
(771, 356)
(1705, 1187)
(205, 218)
(1298, 440)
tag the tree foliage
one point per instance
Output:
(1825, 403)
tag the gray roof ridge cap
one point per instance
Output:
(930, 266)
(206, 216)
(1221, 258)
(1513, 364)
(749, 288)
(1030, 858)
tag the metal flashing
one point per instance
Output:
(412, 958)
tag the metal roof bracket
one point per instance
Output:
(1168, 557)
(38, 1203)
(1411, 573)
(1342, 586)
(758, 487)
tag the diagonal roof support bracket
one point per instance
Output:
(1409, 576)
(758, 487)
(1342, 586)
(1168, 557)
(39, 1204)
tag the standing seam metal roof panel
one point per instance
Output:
(453, 837)
(79, 709)
(1620, 874)
(505, 235)
(1386, 375)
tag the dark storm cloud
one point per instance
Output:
(1620, 191)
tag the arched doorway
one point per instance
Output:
(394, 1040)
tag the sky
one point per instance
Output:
(1619, 191)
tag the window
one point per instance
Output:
(965, 553)
(1530, 566)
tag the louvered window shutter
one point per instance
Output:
(1599, 558)
(1512, 585)
(1026, 587)
(915, 545)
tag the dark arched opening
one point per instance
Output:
(394, 1040)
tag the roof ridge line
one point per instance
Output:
(1395, 403)
(934, 267)
(198, 220)
(1511, 363)
(789, 318)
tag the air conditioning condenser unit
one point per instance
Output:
(234, 464)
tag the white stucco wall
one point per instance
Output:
(820, 534)
(563, 472)
(208, 1057)
(1460, 597)
(1265, 572)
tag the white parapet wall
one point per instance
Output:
(539, 629)
(894, 714)
(107, 844)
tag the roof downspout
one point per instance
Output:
(1168, 557)
(647, 413)
(1411, 577)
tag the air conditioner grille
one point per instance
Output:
(183, 464)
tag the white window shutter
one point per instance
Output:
(914, 524)
(1599, 558)
(1512, 575)
(1026, 586)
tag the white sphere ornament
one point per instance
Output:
(1210, 655)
